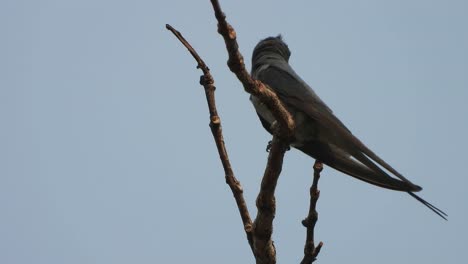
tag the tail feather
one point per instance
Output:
(363, 169)
(377, 170)
(430, 206)
(343, 162)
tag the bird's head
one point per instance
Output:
(271, 46)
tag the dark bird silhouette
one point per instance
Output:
(319, 133)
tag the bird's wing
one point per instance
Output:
(342, 161)
(296, 94)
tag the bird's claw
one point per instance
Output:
(270, 143)
(269, 146)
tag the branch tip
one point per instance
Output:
(310, 251)
(215, 124)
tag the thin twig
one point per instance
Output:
(215, 124)
(310, 251)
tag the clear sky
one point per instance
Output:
(106, 155)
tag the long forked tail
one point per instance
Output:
(430, 206)
(341, 161)
(358, 171)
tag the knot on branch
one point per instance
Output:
(236, 64)
(310, 220)
(248, 227)
(318, 167)
(234, 183)
(215, 120)
(314, 194)
(262, 232)
(265, 203)
(206, 80)
(231, 32)
(226, 30)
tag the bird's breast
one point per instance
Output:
(306, 128)
(262, 110)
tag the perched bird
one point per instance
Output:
(319, 133)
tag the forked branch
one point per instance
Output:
(260, 231)
(264, 249)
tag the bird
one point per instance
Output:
(318, 132)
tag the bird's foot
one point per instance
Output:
(269, 146)
(270, 143)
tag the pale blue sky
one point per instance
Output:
(106, 155)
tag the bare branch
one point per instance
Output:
(215, 124)
(254, 87)
(264, 249)
(310, 251)
(266, 204)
